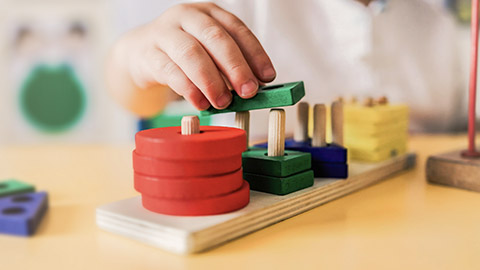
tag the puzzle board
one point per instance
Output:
(186, 235)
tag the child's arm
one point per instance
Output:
(194, 49)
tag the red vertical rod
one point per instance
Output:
(471, 152)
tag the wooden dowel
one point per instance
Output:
(276, 133)
(300, 133)
(319, 126)
(383, 100)
(190, 125)
(242, 121)
(337, 123)
(369, 102)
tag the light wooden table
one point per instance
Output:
(402, 223)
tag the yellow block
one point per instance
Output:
(375, 133)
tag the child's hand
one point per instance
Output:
(197, 50)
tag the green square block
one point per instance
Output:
(12, 186)
(280, 95)
(279, 185)
(256, 161)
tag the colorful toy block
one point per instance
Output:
(280, 185)
(190, 170)
(376, 131)
(329, 160)
(257, 161)
(330, 170)
(21, 214)
(328, 153)
(275, 170)
(12, 186)
(267, 97)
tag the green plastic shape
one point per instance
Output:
(12, 187)
(257, 161)
(280, 95)
(279, 185)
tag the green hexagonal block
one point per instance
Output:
(12, 186)
(257, 161)
(279, 185)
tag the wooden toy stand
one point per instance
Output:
(186, 235)
(462, 168)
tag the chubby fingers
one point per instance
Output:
(189, 55)
(223, 50)
(251, 48)
(165, 71)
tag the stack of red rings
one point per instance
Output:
(191, 175)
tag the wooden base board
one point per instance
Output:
(186, 235)
(452, 169)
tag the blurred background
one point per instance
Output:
(52, 57)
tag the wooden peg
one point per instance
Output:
(354, 100)
(383, 100)
(369, 102)
(276, 133)
(339, 99)
(300, 133)
(190, 125)
(337, 123)
(242, 121)
(319, 126)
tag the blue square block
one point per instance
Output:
(330, 153)
(21, 214)
(330, 170)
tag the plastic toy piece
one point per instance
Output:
(185, 168)
(330, 170)
(207, 206)
(12, 186)
(267, 97)
(188, 188)
(257, 161)
(21, 214)
(210, 143)
(280, 185)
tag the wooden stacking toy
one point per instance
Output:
(275, 170)
(190, 170)
(329, 160)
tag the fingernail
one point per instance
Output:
(249, 88)
(224, 100)
(203, 104)
(269, 73)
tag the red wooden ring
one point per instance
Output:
(189, 187)
(185, 168)
(210, 143)
(209, 206)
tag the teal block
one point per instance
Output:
(267, 97)
(258, 162)
(279, 185)
(12, 187)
